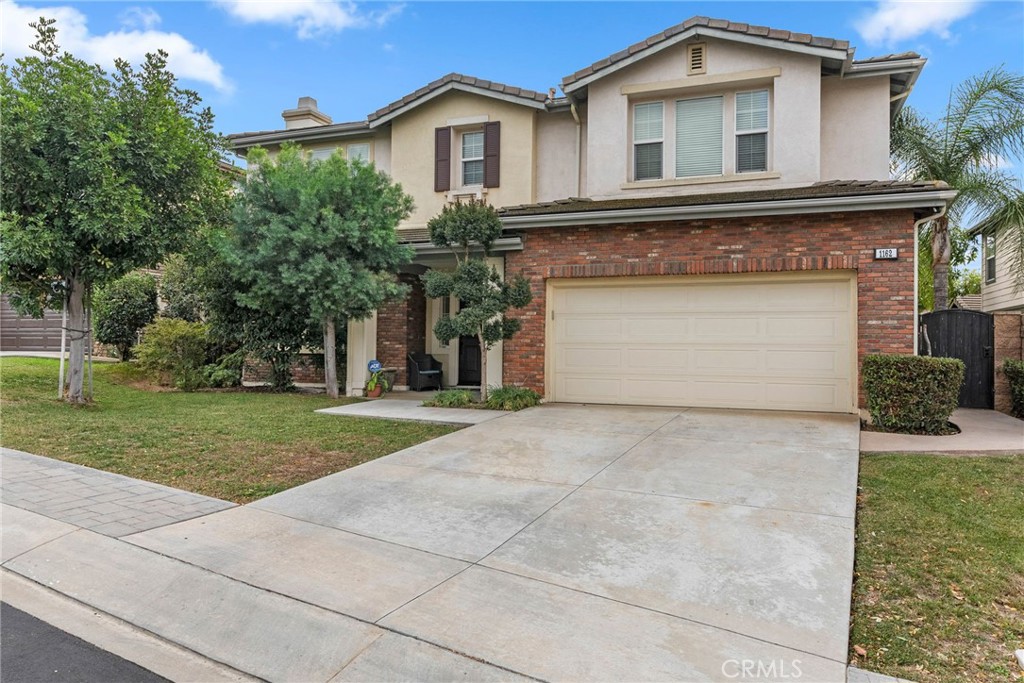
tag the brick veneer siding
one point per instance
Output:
(307, 369)
(401, 328)
(1009, 341)
(838, 241)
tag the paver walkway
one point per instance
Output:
(103, 502)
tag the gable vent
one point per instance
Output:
(696, 58)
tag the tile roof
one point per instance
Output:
(832, 188)
(494, 86)
(969, 302)
(707, 22)
(889, 58)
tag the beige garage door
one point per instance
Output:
(782, 342)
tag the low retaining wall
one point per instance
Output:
(307, 371)
(1009, 343)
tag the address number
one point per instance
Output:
(886, 254)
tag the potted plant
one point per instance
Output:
(376, 385)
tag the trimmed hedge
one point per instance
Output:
(1014, 371)
(912, 394)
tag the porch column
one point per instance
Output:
(362, 347)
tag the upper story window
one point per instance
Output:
(990, 258)
(360, 151)
(473, 158)
(648, 140)
(752, 131)
(699, 137)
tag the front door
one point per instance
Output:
(469, 361)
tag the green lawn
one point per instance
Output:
(235, 445)
(939, 580)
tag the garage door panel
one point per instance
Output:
(783, 343)
(670, 328)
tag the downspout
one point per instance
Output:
(579, 147)
(917, 256)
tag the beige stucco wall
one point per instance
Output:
(557, 162)
(794, 140)
(855, 128)
(1001, 295)
(412, 151)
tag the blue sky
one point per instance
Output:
(251, 59)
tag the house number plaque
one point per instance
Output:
(887, 254)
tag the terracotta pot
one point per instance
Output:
(375, 392)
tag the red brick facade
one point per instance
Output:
(307, 369)
(1009, 338)
(885, 289)
(401, 328)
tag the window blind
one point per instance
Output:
(699, 137)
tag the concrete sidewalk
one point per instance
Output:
(981, 431)
(404, 409)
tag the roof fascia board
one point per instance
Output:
(866, 70)
(298, 135)
(737, 210)
(455, 85)
(499, 245)
(824, 53)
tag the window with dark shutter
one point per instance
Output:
(442, 159)
(492, 154)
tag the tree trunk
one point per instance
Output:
(77, 325)
(330, 359)
(483, 369)
(941, 253)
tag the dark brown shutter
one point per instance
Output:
(442, 159)
(492, 154)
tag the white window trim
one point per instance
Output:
(652, 141)
(463, 160)
(767, 130)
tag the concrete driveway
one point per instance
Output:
(564, 543)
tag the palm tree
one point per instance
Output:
(968, 148)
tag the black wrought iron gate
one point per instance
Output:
(969, 336)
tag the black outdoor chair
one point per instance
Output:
(424, 372)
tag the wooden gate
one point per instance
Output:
(969, 336)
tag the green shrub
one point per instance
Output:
(512, 398)
(912, 394)
(1014, 371)
(174, 352)
(451, 398)
(122, 309)
(180, 291)
(226, 371)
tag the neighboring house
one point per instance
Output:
(1000, 289)
(968, 302)
(698, 216)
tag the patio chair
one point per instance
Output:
(424, 372)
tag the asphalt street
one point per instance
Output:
(33, 651)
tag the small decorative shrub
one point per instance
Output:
(226, 372)
(174, 352)
(1014, 371)
(451, 398)
(512, 398)
(122, 308)
(912, 394)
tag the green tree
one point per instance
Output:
(122, 308)
(102, 174)
(982, 127)
(468, 230)
(318, 239)
(179, 292)
(964, 282)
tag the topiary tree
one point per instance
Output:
(122, 309)
(102, 174)
(317, 240)
(468, 230)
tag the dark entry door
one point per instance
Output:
(469, 361)
(969, 336)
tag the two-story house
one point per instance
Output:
(706, 218)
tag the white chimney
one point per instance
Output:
(305, 115)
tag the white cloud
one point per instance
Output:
(132, 43)
(309, 18)
(896, 20)
(140, 17)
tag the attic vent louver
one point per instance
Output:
(696, 58)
